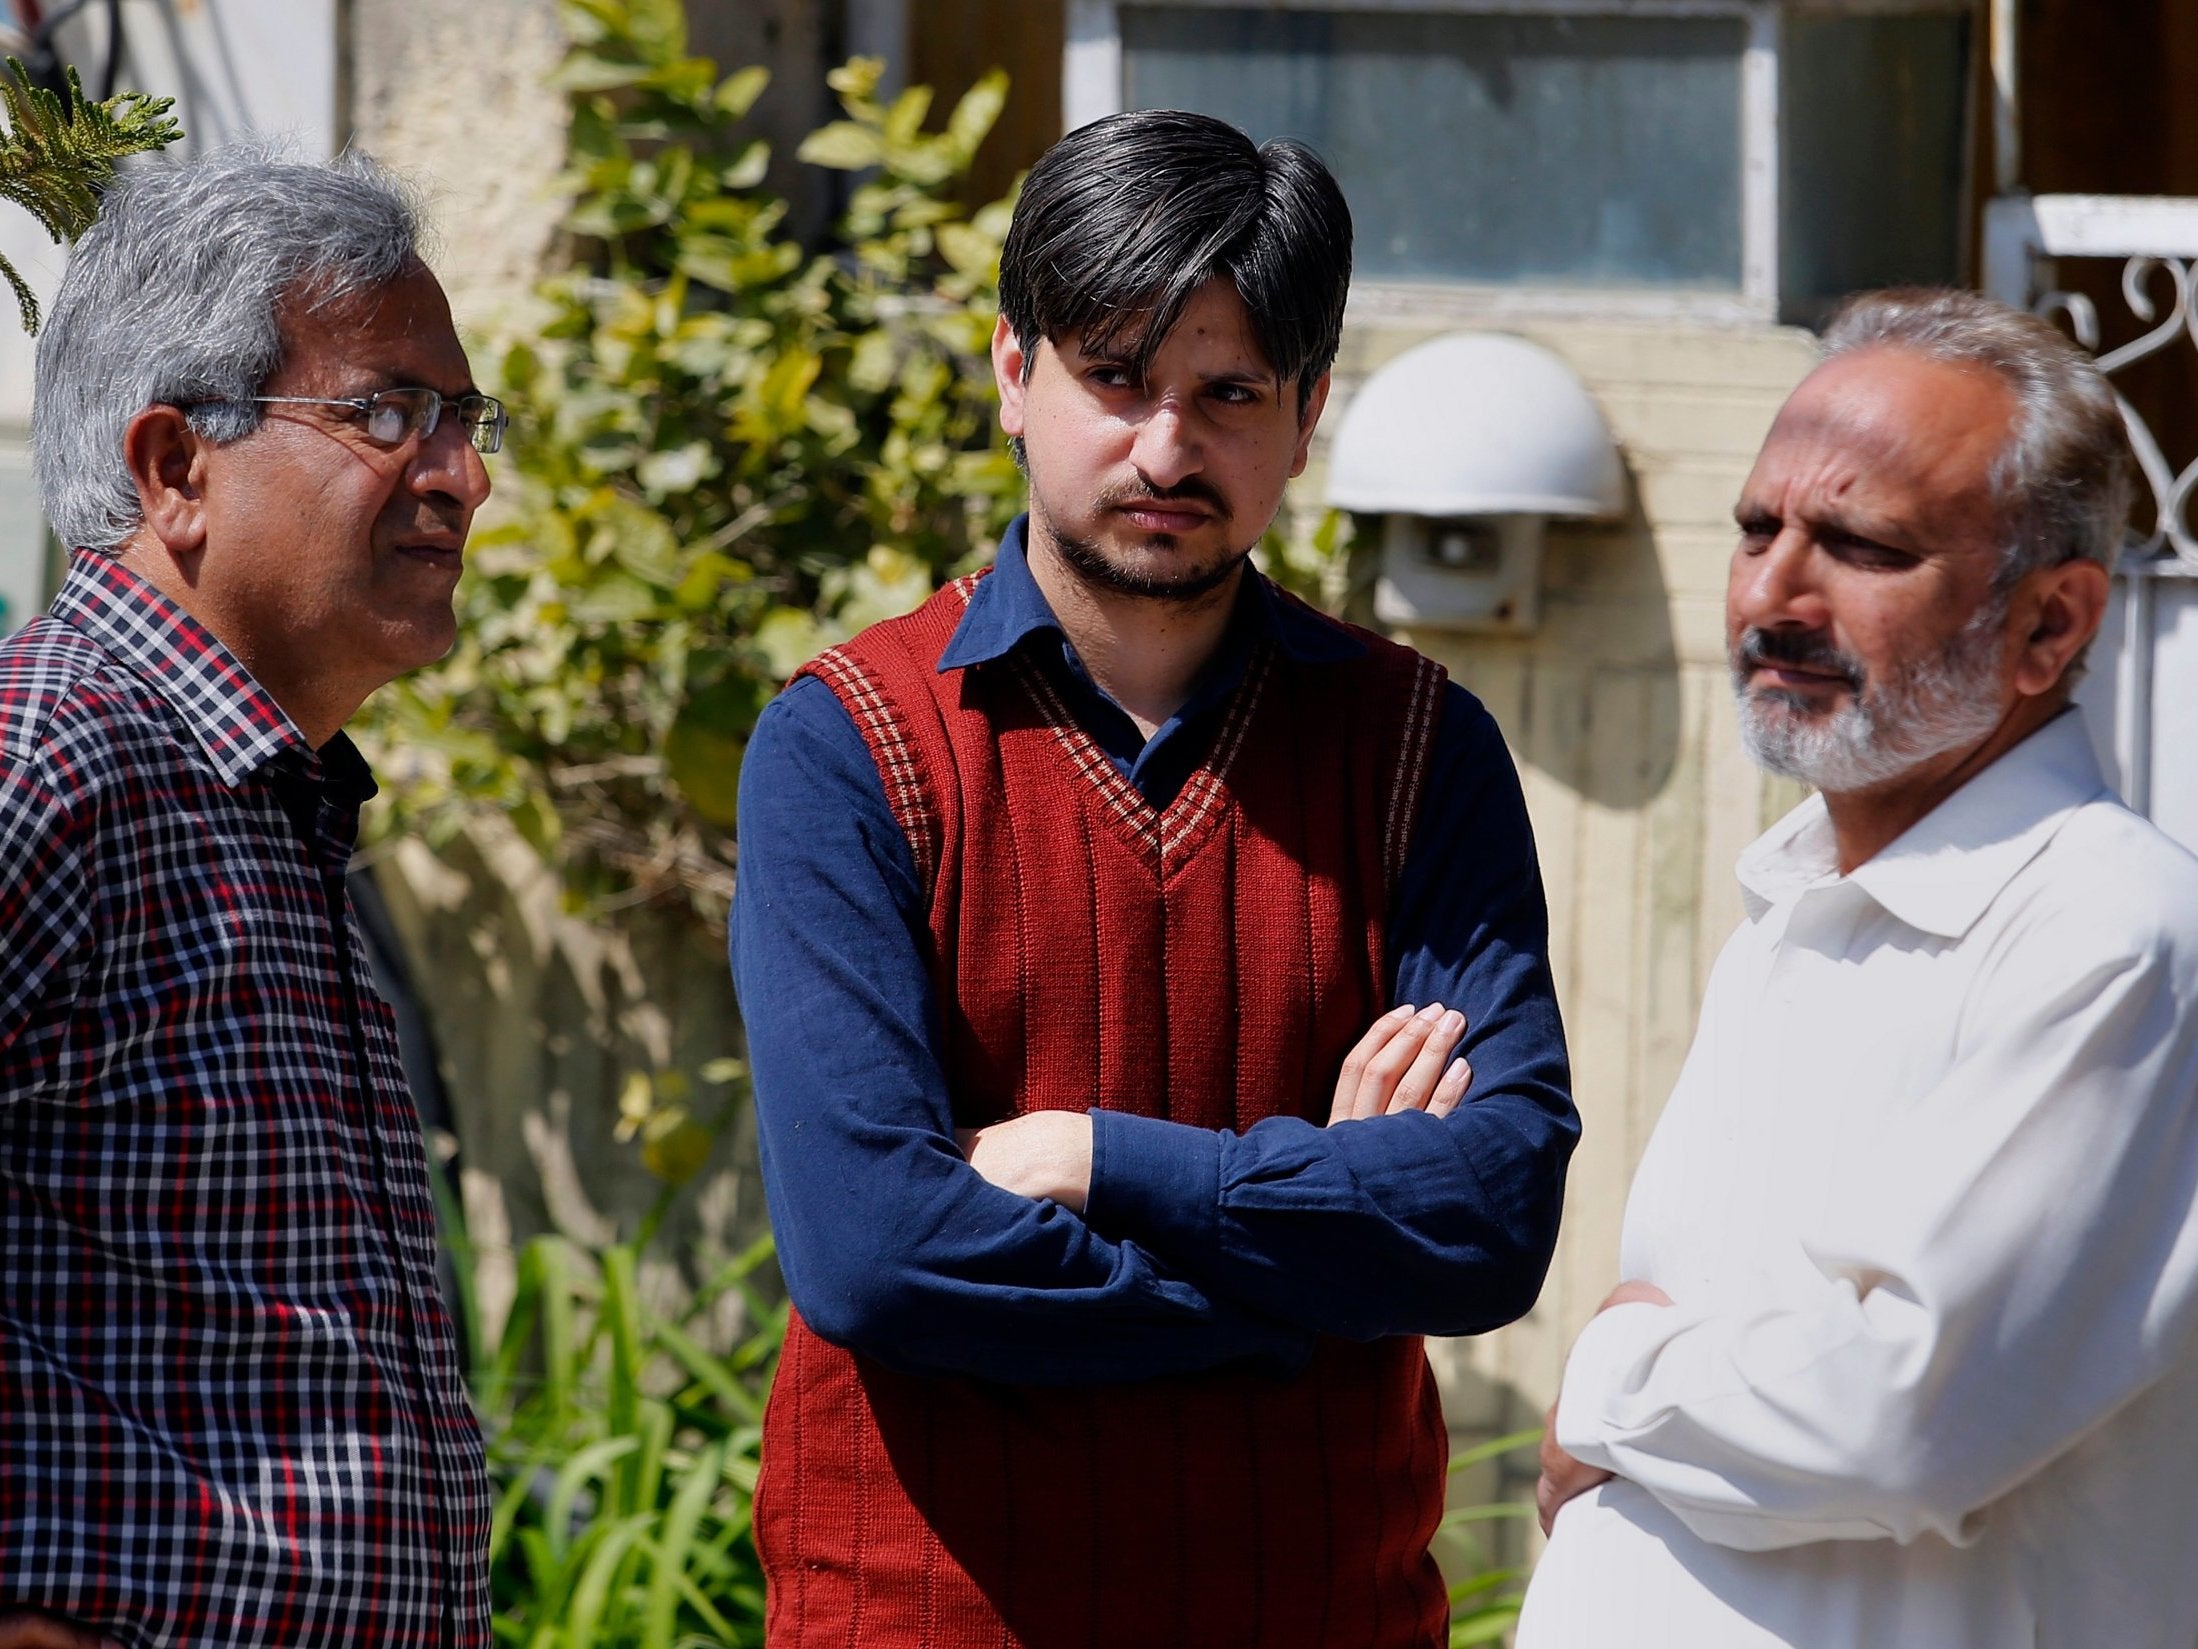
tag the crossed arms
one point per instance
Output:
(1195, 1248)
(2022, 1263)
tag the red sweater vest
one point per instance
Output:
(1211, 963)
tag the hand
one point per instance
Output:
(1632, 1293)
(1045, 1154)
(1398, 1066)
(1563, 1477)
(20, 1631)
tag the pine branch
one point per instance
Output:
(59, 152)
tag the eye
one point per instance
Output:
(1868, 553)
(1235, 395)
(387, 423)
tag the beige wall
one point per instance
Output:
(454, 98)
(1619, 716)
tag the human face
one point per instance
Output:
(330, 562)
(1865, 636)
(1155, 485)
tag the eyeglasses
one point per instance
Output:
(391, 417)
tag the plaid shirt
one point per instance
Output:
(230, 1410)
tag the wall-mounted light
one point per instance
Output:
(1467, 446)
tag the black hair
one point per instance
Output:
(1123, 220)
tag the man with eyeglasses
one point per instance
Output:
(230, 1403)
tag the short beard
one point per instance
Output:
(1884, 729)
(1088, 562)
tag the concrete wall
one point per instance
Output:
(475, 128)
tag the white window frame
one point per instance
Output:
(1092, 88)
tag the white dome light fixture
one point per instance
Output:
(1467, 445)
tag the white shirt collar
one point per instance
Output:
(1942, 874)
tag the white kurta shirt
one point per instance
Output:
(1925, 1199)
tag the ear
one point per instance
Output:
(1009, 367)
(1308, 421)
(167, 460)
(2058, 613)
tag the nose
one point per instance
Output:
(446, 465)
(1773, 585)
(1169, 447)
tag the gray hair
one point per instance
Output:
(2065, 482)
(175, 296)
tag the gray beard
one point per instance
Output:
(1885, 728)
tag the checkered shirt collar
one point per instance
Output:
(240, 727)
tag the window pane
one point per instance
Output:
(1578, 151)
(1875, 112)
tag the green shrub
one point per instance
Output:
(1485, 1598)
(727, 452)
(623, 1454)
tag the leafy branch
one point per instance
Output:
(61, 150)
(729, 451)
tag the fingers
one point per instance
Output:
(1389, 1063)
(1377, 1037)
(1563, 1478)
(1426, 1077)
(1553, 1461)
(1433, 1030)
(1634, 1293)
(1398, 1066)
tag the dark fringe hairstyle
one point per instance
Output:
(1123, 220)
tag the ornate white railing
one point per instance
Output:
(2142, 708)
(2156, 237)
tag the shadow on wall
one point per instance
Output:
(1590, 699)
(543, 1023)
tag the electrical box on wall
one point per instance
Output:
(1460, 573)
(1466, 447)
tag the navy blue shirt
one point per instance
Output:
(1197, 1247)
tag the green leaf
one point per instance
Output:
(1494, 1449)
(969, 249)
(977, 111)
(574, 1476)
(843, 146)
(904, 120)
(585, 72)
(748, 171)
(670, 1551)
(607, 1556)
(60, 151)
(703, 749)
(857, 79)
(1483, 1625)
(738, 92)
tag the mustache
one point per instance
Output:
(1192, 489)
(1803, 649)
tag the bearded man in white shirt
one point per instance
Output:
(1906, 1359)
